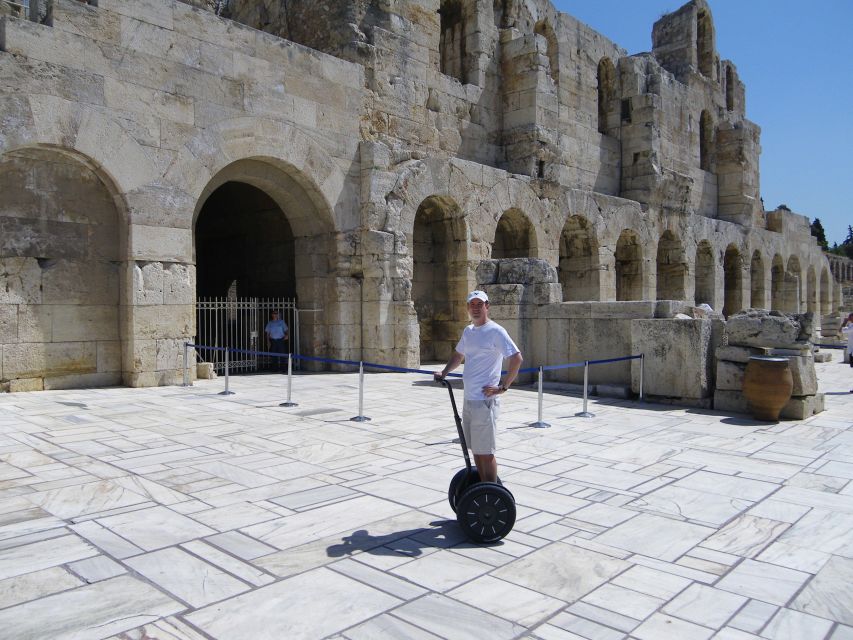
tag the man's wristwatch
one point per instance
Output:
(503, 387)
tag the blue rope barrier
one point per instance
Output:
(831, 346)
(388, 367)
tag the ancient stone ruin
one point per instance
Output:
(365, 159)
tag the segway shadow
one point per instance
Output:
(484, 510)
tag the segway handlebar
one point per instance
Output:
(461, 433)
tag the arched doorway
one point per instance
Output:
(244, 245)
(756, 276)
(732, 281)
(825, 292)
(705, 276)
(671, 268)
(777, 283)
(811, 290)
(514, 236)
(579, 268)
(793, 289)
(61, 258)
(629, 267)
(438, 283)
(261, 244)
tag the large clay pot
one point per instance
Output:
(767, 386)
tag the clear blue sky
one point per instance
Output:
(796, 59)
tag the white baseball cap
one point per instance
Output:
(479, 295)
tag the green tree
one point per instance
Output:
(819, 233)
(847, 245)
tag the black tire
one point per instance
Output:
(486, 512)
(461, 481)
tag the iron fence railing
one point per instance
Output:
(239, 323)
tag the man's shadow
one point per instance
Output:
(412, 542)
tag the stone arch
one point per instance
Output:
(706, 141)
(732, 281)
(201, 167)
(757, 298)
(730, 88)
(629, 266)
(543, 28)
(825, 292)
(777, 283)
(606, 92)
(705, 274)
(61, 258)
(793, 289)
(453, 56)
(811, 290)
(439, 250)
(671, 268)
(514, 236)
(579, 266)
(705, 42)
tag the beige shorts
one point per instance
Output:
(479, 424)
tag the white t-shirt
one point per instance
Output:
(484, 348)
(848, 331)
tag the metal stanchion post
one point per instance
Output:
(585, 413)
(539, 424)
(288, 403)
(360, 417)
(227, 391)
(186, 364)
(642, 372)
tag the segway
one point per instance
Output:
(484, 510)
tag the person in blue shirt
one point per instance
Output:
(277, 334)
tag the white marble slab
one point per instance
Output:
(605, 477)
(793, 557)
(234, 516)
(652, 582)
(626, 602)
(829, 594)
(246, 572)
(441, 571)
(727, 485)
(155, 528)
(655, 536)
(794, 625)
(448, 618)
(241, 545)
(92, 611)
(753, 616)
(639, 453)
(185, 576)
(763, 581)
(311, 605)
(97, 568)
(746, 536)
(105, 539)
(561, 571)
(347, 516)
(397, 587)
(660, 626)
(403, 492)
(690, 504)
(43, 555)
(705, 605)
(823, 530)
(92, 497)
(31, 586)
(506, 600)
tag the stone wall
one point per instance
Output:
(395, 151)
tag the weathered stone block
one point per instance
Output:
(73, 323)
(543, 293)
(802, 407)
(35, 323)
(26, 384)
(160, 321)
(179, 283)
(49, 359)
(161, 243)
(82, 381)
(762, 329)
(147, 283)
(505, 294)
(804, 375)
(730, 375)
(205, 371)
(677, 358)
(20, 281)
(733, 401)
(8, 323)
(109, 356)
(525, 271)
(739, 354)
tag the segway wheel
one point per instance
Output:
(461, 481)
(486, 512)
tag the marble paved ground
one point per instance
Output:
(176, 513)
